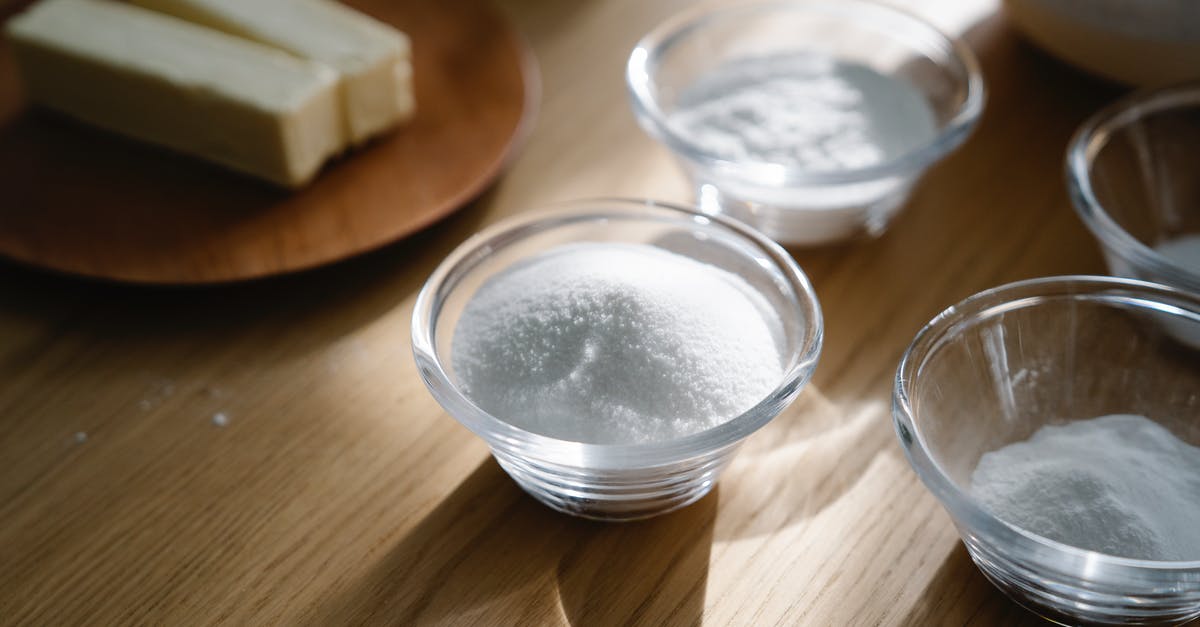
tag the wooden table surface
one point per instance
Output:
(266, 453)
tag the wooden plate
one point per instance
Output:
(85, 202)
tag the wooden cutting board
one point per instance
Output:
(82, 201)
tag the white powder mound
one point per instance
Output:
(804, 110)
(1121, 485)
(616, 343)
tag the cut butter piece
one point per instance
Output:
(192, 89)
(371, 58)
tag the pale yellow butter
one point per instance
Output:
(371, 57)
(192, 89)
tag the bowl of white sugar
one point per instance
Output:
(1058, 422)
(614, 353)
(809, 119)
(1134, 174)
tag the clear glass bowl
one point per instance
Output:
(1134, 175)
(627, 481)
(994, 368)
(789, 204)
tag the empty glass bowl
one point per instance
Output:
(994, 368)
(616, 481)
(1134, 175)
(903, 69)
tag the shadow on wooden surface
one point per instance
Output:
(959, 594)
(483, 543)
(797, 465)
(488, 550)
(85, 342)
(652, 572)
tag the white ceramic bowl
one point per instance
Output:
(1139, 42)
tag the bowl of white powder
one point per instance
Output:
(614, 353)
(1058, 422)
(1134, 174)
(811, 120)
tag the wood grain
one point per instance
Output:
(86, 202)
(340, 493)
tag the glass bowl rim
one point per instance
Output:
(638, 78)
(1089, 140)
(466, 256)
(932, 336)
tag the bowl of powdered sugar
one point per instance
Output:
(614, 353)
(808, 119)
(1058, 422)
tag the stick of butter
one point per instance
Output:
(371, 57)
(193, 89)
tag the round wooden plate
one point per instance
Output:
(86, 202)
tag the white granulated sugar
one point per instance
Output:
(80, 437)
(158, 390)
(1121, 485)
(616, 343)
(803, 110)
(220, 419)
